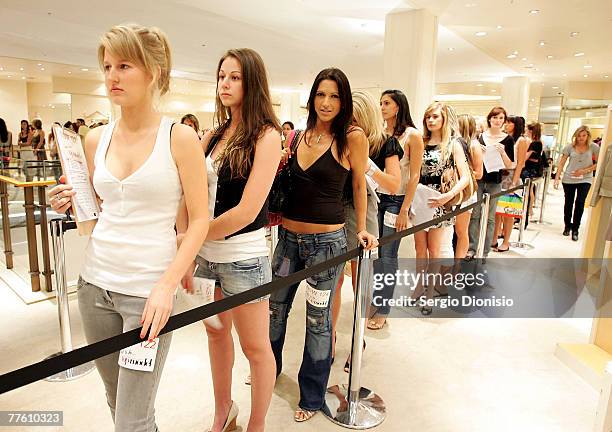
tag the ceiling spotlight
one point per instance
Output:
(39, 64)
(534, 11)
(1, 68)
(574, 34)
(451, 49)
(585, 75)
(555, 87)
(69, 72)
(511, 56)
(606, 76)
(10, 76)
(471, 5)
(479, 85)
(84, 69)
(499, 27)
(530, 65)
(588, 66)
(578, 54)
(524, 59)
(564, 75)
(22, 77)
(493, 90)
(481, 33)
(542, 43)
(21, 69)
(42, 69)
(549, 57)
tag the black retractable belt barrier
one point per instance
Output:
(37, 371)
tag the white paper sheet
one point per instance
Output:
(492, 159)
(420, 212)
(74, 164)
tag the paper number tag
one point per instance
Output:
(205, 290)
(390, 219)
(139, 357)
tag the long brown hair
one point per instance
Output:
(256, 112)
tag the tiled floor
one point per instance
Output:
(435, 375)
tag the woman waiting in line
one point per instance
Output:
(473, 152)
(287, 127)
(577, 177)
(25, 141)
(192, 121)
(385, 153)
(533, 160)
(6, 140)
(242, 155)
(396, 113)
(441, 152)
(312, 229)
(491, 181)
(38, 144)
(515, 127)
(132, 266)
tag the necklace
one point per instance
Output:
(318, 139)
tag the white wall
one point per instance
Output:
(48, 106)
(13, 104)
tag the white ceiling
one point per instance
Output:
(297, 38)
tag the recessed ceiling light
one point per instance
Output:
(52, 106)
(471, 5)
(606, 76)
(564, 75)
(481, 33)
(69, 72)
(574, 34)
(578, 54)
(511, 56)
(524, 59)
(10, 76)
(84, 69)
(22, 77)
(555, 87)
(549, 57)
(585, 75)
(1, 68)
(451, 49)
(39, 64)
(530, 65)
(588, 66)
(534, 11)
(479, 85)
(542, 43)
(499, 27)
(493, 90)
(21, 69)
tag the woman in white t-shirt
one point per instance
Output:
(140, 166)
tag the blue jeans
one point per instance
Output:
(474, 227)
(295, 252)
(387, 261)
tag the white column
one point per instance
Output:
(411, 41)
(515, 95)
(290, 107)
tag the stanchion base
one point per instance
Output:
(521, 245)
(72, 373)
(369, 412)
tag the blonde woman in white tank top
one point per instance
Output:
(140, 166)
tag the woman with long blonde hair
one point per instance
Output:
(577, 178)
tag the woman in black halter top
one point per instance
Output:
(312, 229)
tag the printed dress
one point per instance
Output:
(431, 175)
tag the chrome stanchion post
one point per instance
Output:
(520, 243)
(353, 406)
(544, 193)
(58, 226)
(484, 216)
(273, 239)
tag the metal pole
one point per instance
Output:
(273, 239)
(484, 216)
(57, 228)
(520, 244)
(544, 193)
(353, 406)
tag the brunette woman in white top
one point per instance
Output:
(140, 166)
(242, 158)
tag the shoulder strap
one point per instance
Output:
(211, 144)
(295, 140)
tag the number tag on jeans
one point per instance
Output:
(390, 219)
(317, 298)
(139, 357)
(205, 290)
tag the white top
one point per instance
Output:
(134, 240)
(404, 163)
(236, 248)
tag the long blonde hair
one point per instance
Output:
(146, 47)
(447, 131)
(467, 127)
(577, 132)
(369, 118)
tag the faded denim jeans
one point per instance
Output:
(293, 253)
(130, 394)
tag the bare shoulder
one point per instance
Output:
(355, 135)
(92, 139)
(269, 134)
(183, 140)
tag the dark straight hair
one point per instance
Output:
(519, 126)
(3, 130)
(342, 121)
(404, 119)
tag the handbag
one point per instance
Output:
(450, 177)
(510, 205)
(281, 187)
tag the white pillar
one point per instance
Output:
(515, 95)
(290, 107)
(411, 42)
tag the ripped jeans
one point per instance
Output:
(293, 253)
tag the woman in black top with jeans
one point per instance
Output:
(312, 230)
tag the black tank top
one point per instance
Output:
(316, 194)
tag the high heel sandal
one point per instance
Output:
(230, 422)
(347, 365)
(302, 415)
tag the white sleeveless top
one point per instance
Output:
(134, 242)
(404, 163)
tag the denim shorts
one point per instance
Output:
(236, 277)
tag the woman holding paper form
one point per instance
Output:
(441, 152)
(242, 156)
(498, 154)
(132, 266)
(383, 171)
(577, 178)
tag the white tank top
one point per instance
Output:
(404, 163)
(134, 242)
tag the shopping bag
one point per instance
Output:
(510, 205)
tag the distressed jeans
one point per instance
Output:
(293, 253)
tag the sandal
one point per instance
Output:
(502, 250)
(302, 415)
(426, 310)
(377, 323)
